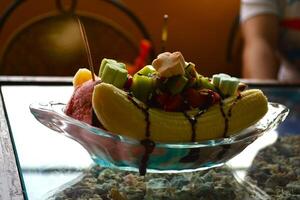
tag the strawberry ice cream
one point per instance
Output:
(80, 104)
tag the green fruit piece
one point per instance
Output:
(142, 86)
(120, 78)
(216, 78)
(190, 70)
(233, 86)
(228, 86)
(197, 82)
(176, 84)
(148, 70)
(121, 65)
(108, 74)
(205, 83)
(103, 64)
(114, 74)
(224, 86)
(106, 61)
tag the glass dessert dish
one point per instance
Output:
(116, 151)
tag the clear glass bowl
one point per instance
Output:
(113, 150)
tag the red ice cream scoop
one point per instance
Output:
(80, 105)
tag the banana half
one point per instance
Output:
(126, 115)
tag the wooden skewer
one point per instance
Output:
(164, 34)
(87, 47)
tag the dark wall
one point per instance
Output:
(199, 29)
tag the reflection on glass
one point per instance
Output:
(243, 161)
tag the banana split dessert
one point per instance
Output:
(166, 102)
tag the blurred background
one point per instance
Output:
(42, 37)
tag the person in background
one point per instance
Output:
(271, 31)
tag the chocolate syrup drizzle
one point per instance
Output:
(193, 122)
(225, 118)
(226, 147)
(229, 113)
(233, 104)
(148, 144)
(194, 153)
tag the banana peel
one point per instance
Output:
(120, 115)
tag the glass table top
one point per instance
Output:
(47, 158)
(53, 166)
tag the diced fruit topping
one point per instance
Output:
(217, 78)
(190, 70)
(148, 70)
(169, 102)
(242, 87)
(176, 84)
(169, 64)
(163, 86)
(204, 82)
(113, 72)
(103, 63)
(227, 85)
(170, 83)
(111, 61)
(202, 98)
(81, 76)
(143, 83)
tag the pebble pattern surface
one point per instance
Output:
(275, 171)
